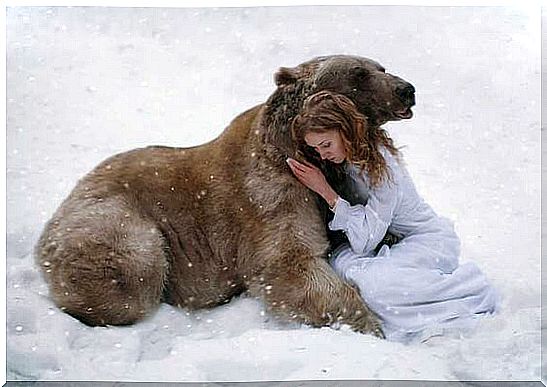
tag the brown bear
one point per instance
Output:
(196, 226)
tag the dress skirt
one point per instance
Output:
(413, 301)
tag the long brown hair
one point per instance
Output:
(325, 111)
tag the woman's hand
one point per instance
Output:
(313, 178)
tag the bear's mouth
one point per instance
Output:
(403, 114)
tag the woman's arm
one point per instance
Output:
(313, 178)
(365, 226)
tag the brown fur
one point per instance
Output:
(197, 226)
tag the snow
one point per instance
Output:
(85, 83)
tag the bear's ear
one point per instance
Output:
(285, 76)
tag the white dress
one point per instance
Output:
(417, 286)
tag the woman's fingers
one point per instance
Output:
(309, 165)
(294, 167)
(300, 168)
(294, 163)
(302, 176)
(305, 166)
(297, 171)
(305, 176)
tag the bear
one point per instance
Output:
(194, 227)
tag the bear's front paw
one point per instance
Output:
(369, 324)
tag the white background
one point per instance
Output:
(85, 83)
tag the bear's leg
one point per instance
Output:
(104, 270)
(302, 288)
(199, 278)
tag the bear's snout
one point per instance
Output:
(405, 91)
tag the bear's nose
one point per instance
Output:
(406, 92)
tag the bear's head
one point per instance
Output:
(379, 95)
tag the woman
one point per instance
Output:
(417, 286)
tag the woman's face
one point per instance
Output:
(328, 144)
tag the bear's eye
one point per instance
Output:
(360, 72)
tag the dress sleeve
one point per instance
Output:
(366, 225)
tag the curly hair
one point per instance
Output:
(325, 111)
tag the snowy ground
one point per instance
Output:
(85, 83)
